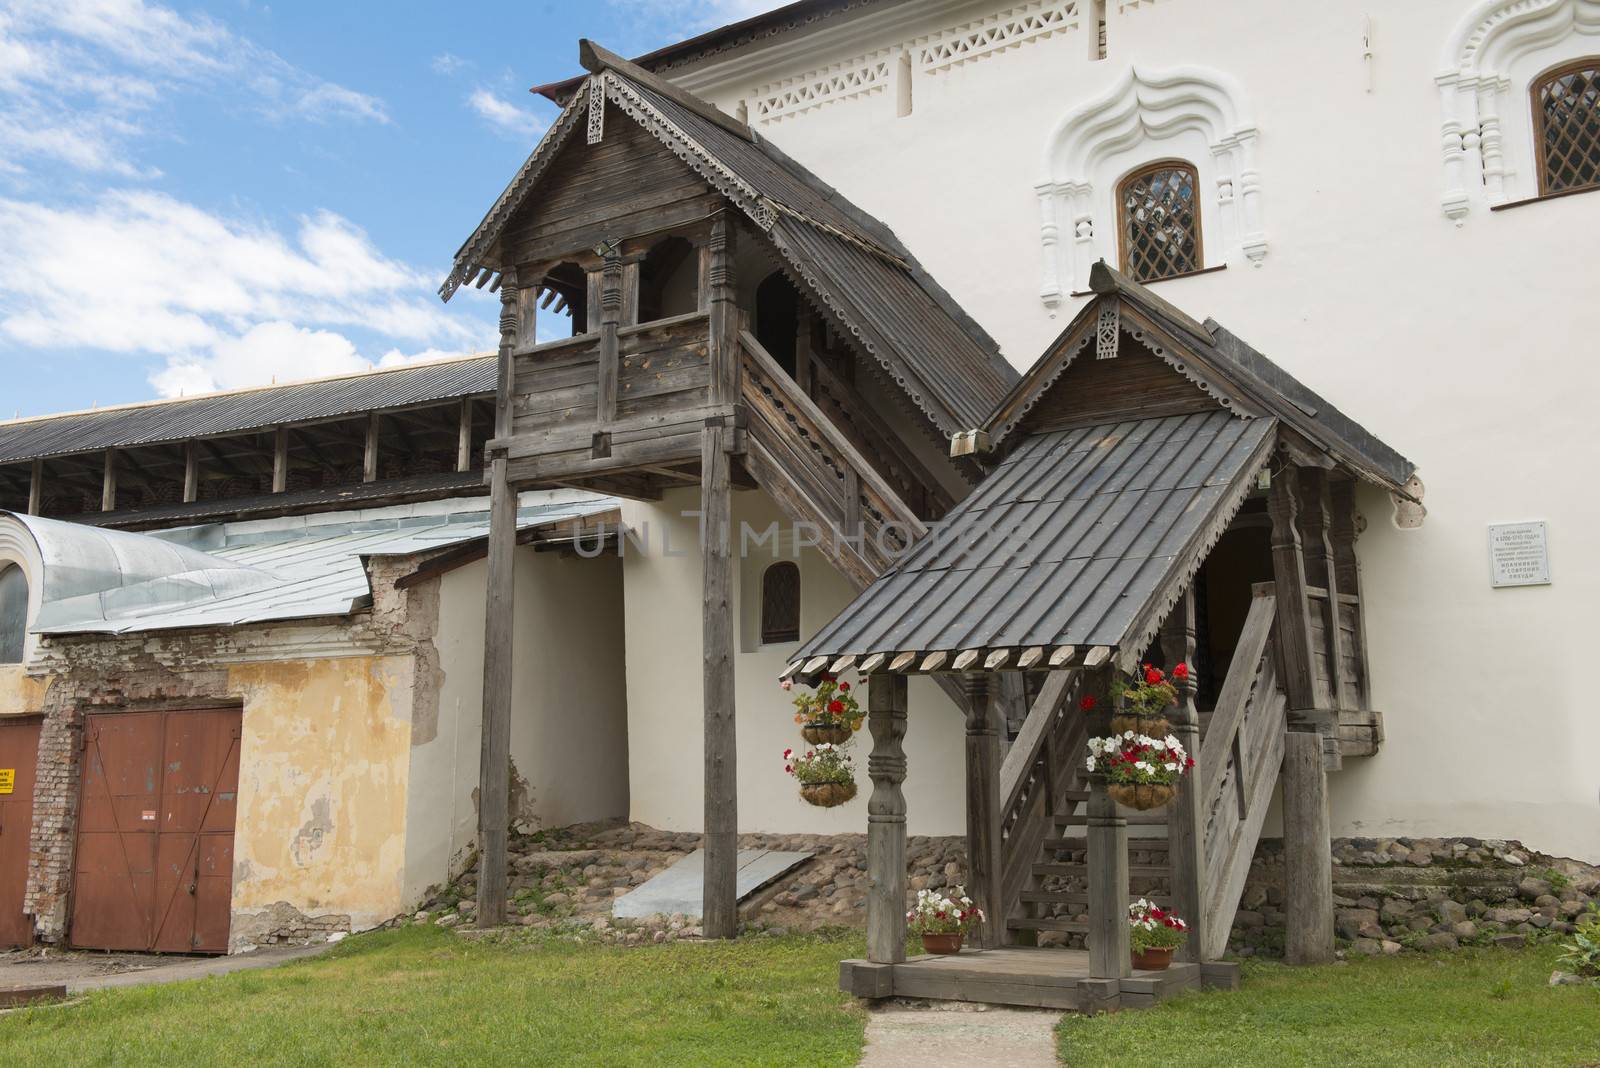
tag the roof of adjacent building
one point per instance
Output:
(237, 411)
(94, 580)
(1076, 539)
(948, 366)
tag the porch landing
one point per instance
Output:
(1017, 975)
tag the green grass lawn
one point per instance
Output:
(423, 996)
(1471, 1008)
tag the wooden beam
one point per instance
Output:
(36, 488)
(1186, 817)
(610, 320)
(814, 665)
(369, 456)
(965, 659)
(934, 661)
(1062, 656)
(720, 904)
(886, 820)
(903, 662)
(724, 308)
(280, 459)
(984, 861)
(108, 482)
(872, 663)
(464, 435)
(1030, 658)
(595, 58)
(1307, 852)
(1107, 842)
(191, 472)
(996, 659)
(1096, 656)
(1316, 518)
(844, 663)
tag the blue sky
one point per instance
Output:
(208, 196)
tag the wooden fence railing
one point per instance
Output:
(1040, 767)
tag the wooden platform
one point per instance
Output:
(1014, 975)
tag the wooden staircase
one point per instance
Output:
(1044, 795)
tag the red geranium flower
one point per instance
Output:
(844, 687)
(1087, 704)
(1181, 672)
(836, 707)
(1153, 676)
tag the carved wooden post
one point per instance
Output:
(464, 435)
(1342, 533)
(983, 807)
(610, 317)
(1108, 885)
(36, 488)
(1315, 518)
(108, 483)
(369, 455)
(1185, 821)
(1292, 625)
(1307, 852)
(191, 472)
(724, 308)
(886, 819)
(494, 765)
(280, 459)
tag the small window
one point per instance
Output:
(780, 604)
(13, 613)
(669, 280)
(1566, 119)
(1159, 221)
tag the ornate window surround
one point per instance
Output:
(18, 549)
(1191, 113)
(1489, 61)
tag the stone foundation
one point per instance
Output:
(281, 924)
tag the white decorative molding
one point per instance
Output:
(1486, 136)
(874, 72)
(1141, 108)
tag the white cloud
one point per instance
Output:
(688, 17)
(79, 78)
(505, 116)
(223, 301)
(448, 63)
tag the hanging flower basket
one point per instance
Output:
(827, 794)
(1154, 726)
(943, 922)
(826, 774)
(1141, 705)
(829, 733)
(1140, 771)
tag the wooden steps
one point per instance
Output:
(1041, 978)
(1077, 897)
(1080, 870)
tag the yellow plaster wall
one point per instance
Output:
(19, 692)
(322, 786)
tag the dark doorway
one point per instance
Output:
(778, 319)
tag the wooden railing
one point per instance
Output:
(1238, 769)
(816, 475)
(1040, 767)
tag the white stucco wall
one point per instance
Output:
(569, 739)
(1467, 347)
(665, 710)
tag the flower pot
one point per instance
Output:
(1151, 726)
(942, 943)
(829, 733)
(827, 794)
(1142, 796)
(1153, 958)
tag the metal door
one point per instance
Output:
(154, 868)
(19, 758)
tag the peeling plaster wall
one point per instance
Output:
(569, 726)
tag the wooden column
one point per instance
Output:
(36, 488)
(720, 905)
(1108, 886)
(280, 459)
(802, 350)
(369, 458)
(886, 819)
(494, 764)
(1292, 626)
(610, 319)
(108, 483)
(1316, 513)
(984, 867)
(464, 435)
(191, 472)
(1347, 570)
(1307, 852)
(724, 308)
(1185, 821)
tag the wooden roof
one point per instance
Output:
(849, 262)
(1079, 541)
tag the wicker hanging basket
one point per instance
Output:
(827, 794)
(826, 733)
(1142, 796)
(1151, 726)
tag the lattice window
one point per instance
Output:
(13, 613)
(780, 603)
(1159, 221)
(1566, 119)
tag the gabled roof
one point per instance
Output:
(850, 262)
(1081, 537)
(1238, 377)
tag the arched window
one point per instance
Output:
(1566, 123)
(780, 603)
(1158, 219)
(669, 280)
(13, 613)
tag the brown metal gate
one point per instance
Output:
(154, 867)
(19, 759)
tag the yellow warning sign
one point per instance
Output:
(8, 779)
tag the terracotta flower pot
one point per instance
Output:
(1153, 959)
(1153, 726)
(1142, 796)
(830, 733)
(827, 794)
(942, 943)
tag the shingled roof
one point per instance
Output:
(853, 264)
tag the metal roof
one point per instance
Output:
(1080, 537)
(244, 410)
(946, 364)
(225, 574)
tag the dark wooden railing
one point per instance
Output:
(1042, 765)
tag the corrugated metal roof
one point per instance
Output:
(107, 581)
(1075, 539)
(244, 410)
